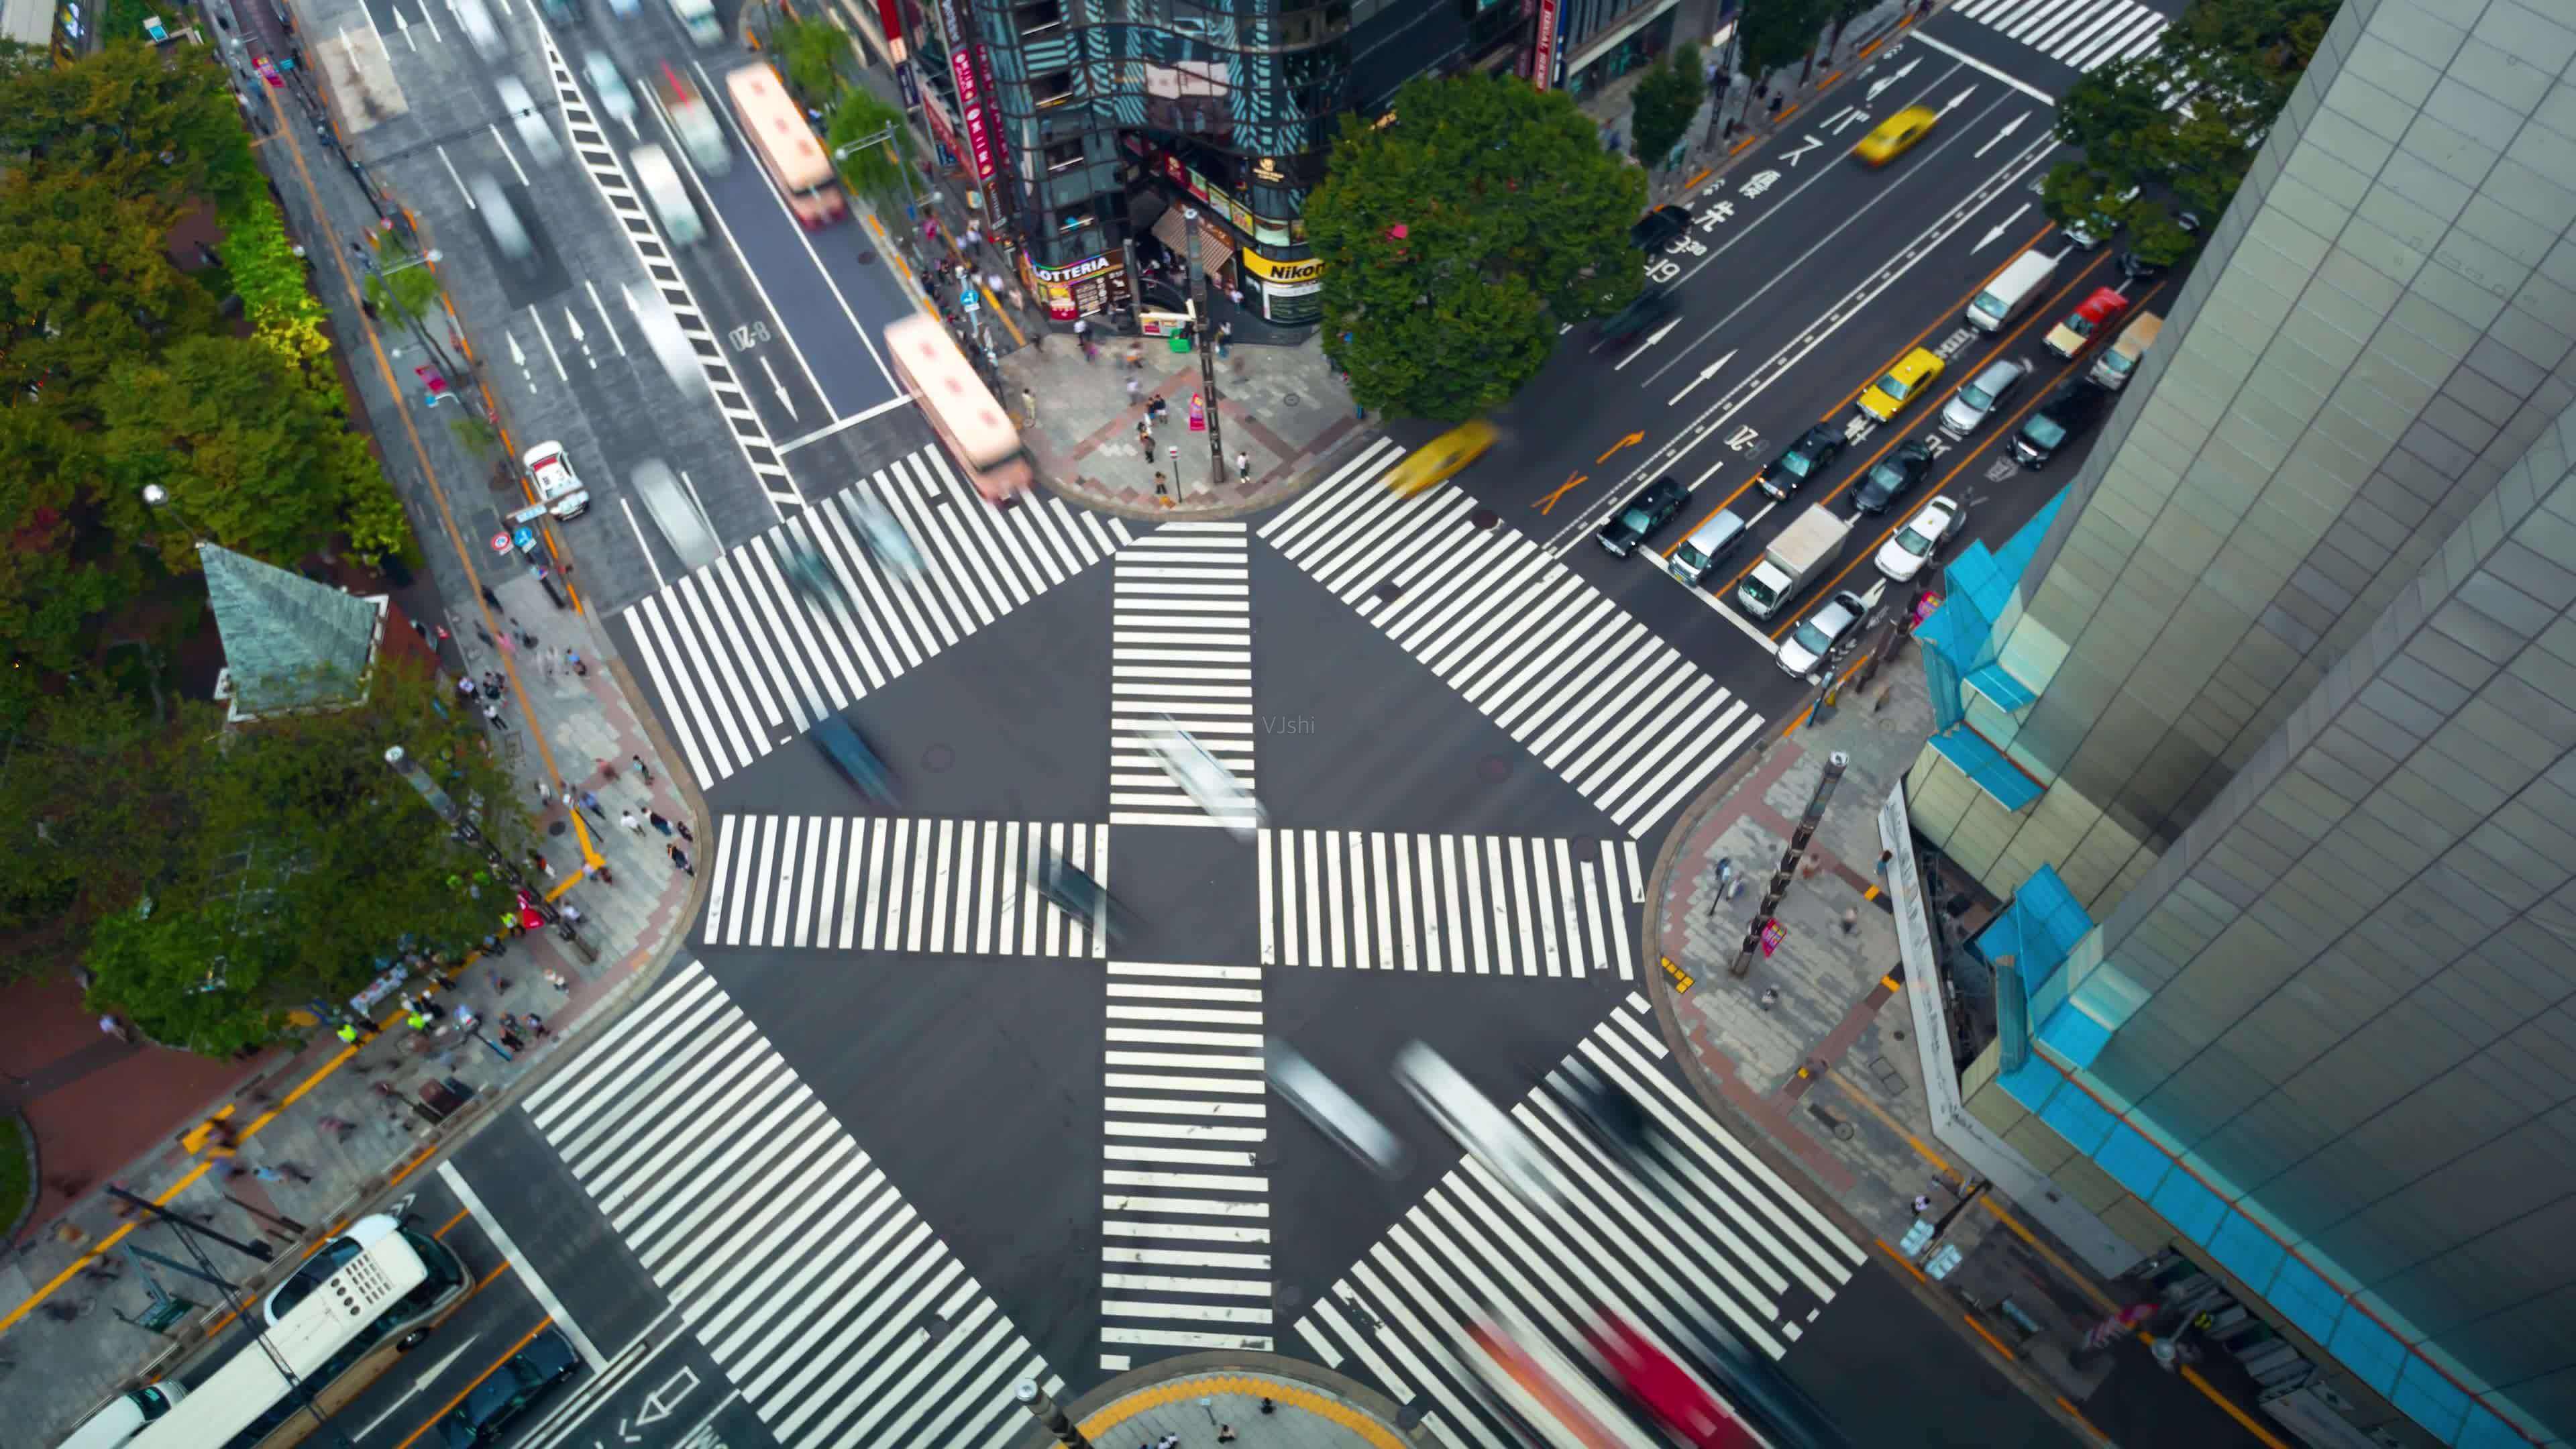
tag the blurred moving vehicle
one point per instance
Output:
(959, 408)
(479, 29)
(1669, 1393)
(1487, 1133)
(1545, 1395)
(490, 1406)
(660, 181)
(1070, 889)
(811, 576)
(1440, 459)
(1896, 135)
(501, 219)
(883, 537)
(1653, 305)
(1660, 227)
(528, 121)
(1204, 778)
(1335, 1113)
(698, 17)
(1613, 1115)
(782, 140)
(695, 123)
(684, 525)
(616, 98)
(851, 754)
(671, 347)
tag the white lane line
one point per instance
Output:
(899, 400)
(1963, 58)
(537, 1288)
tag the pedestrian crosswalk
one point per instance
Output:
(1185, 1189)
(1488, 904)
(1699, 1231)
(743, 660)
(2084, 34)
(1180, 645)
(861, 883)
(831, 1306)
(1595, 695)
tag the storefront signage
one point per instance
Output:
(1543, 55)
(890, 16)
(970, 90)
(1081, 289)
(1261, 229)
(1283, 273)
(1266, 171)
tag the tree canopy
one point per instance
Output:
(2234, 64)
(1459, 234)
(1776, 32)
(874, 172)
(1664, 103)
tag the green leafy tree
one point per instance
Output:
(812, 52)
(874, 172)
(136, 121)
(301, 861)
(2235, 62)
(55, 574)
(85, 283)
(248, 450)
(1459, 236)
(1664, 103)
(1776, 32)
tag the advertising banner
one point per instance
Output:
(1543, 55)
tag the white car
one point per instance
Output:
(1904, 554)
(559, 488)
(479, 29)
(530, 122)
(1485, 1130)
(1205, 778)
(700, 133)
(1335, 1113)
(1814, 639)
(615, 97)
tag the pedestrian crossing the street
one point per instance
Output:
(745, 657)
(1180, 646)
(1696, 1231)
(1487, 904)
(862, 883)
(2084, 34)
(1185, 1194)
(835, 1311)
(1595, 695)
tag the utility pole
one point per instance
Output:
(1805, 832)
(502, 866)
(1201, 296)
(1044, 1410)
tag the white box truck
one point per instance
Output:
(1802, 551)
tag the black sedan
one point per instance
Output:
(1814, 452)
(507, 1393)
(1894, 477)
(1652, 508)
(2068, 414)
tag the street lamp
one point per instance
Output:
(431, 257)
(885, 138)
(158, 499)
(501, 865)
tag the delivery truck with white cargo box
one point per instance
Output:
(1802, 551)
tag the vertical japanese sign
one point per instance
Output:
(970, 88)
(1543, 55)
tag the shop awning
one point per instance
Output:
(1216, 244)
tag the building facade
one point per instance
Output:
(2277, 736)
(1089, 130)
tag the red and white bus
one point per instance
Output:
(960, 409)
(796, 162)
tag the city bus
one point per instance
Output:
(361, 1299)
(796, 162)
(959, 407)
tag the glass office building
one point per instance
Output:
(2271, 748)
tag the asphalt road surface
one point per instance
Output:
(895, 1131)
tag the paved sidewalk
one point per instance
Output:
(1813, 1051)
(1197, 1398)
(336, 1123)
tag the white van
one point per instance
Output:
(2113, 370)
(126, 1415)
(1713, 540)
(2012, 290)
(698, 17)
(660, 181)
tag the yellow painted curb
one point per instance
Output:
(1287, 1394)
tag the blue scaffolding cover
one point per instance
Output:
(1986, 765)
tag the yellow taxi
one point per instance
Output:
(1896, 135)
(1911, 377)
(1440, 458)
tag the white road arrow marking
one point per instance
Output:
(1958, 100)
(781, 388)
(1847, 120)
(1705, 374)
(428, 1376)
(1813, 141)
(2009, 127)
(580, 337)
(1989, 237)
(1900, 73)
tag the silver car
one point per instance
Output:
(1205, 778)
(1818, 633)
(1485, 1130)
(1335, 1113)
(615, 97)
(1972, 404)
(530, 122)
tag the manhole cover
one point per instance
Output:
(867, 255)
(1483, 519)
(938, 758)
(1493, 769)
(557, 827)
(1389, 592)
(933, 1326)
(1290, 399)
(1289, 1296)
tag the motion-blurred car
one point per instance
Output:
(883, 537)
(1977, 398)
(1204, 778)
(2091, 319)
(1813, 452)
(1652, 306)
(1440, 459)
(671, 347)
(1606, 1108)
(1639, 518)
(700, 133)
(1486, 1132)
(1891, 478)
(1335, 1113)
(1660, 227)
(811, 576)
(558, 487)
(1669, 1393)
(523, 1378)
(857, 760)
(501, 219)
(1896, 135)
(616, 98)
(528, 121)
(1814, 639)
(1912, 546)
(479, 30)
(1911, 377)
(1070, 889)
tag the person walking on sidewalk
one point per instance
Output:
(1243, 465)
(680, 860)
(1029, 406)
(1162, 490)
(492, 717)
(1133, 388)
(590, 802)
(644, 769)
(682, 826)
(627, 819)
(659, 823)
